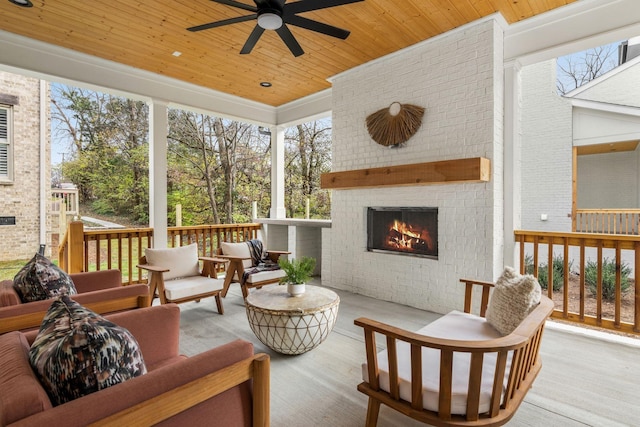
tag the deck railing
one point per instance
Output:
(91, 250)
(609, 221)
(602, 285)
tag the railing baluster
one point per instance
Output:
(618, 291)
(582, 279)
(565, 288)
(599, 284)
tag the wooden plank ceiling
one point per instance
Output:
(145, 34)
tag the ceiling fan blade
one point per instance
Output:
(223, 22)
(252, 40)
(309, 5)
(288, 39)
(237, 4)
(318, 27)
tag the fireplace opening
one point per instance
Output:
(406, 231)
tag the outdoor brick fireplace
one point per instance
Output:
(403, 230)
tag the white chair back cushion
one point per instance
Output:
(240, 250)
(181, 261)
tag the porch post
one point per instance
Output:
(158, 129)
(512, 161)
(277, 173)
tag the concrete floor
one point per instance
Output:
(585, 380)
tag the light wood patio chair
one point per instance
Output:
(175, 275)
(245, 259)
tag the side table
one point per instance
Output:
(292, 325)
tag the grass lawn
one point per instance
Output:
(8, 269)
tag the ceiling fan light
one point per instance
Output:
(269, 21)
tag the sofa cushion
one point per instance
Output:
(265, 275)
(8, 295)
(189, 286)
(512, 299)
(181, 261)
(238, 250)
(78, 352)
(456, 326)
(40, 279)
(21, 394)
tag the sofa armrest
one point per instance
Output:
(96, 280)
(232, 407)
(29, 315)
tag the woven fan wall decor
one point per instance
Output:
(396, 124)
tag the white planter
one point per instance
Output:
(295, 289)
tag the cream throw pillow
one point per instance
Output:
(181, 261)
(513, 298)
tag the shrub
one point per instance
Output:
(608, 278)
(543, 271)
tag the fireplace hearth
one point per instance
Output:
(403, 230)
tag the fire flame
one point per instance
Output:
(403, 236)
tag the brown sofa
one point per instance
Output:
(225, 386)
(101, 291)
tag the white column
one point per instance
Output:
(512, 161)
(158, 129)
(277, 173)
(45, 176)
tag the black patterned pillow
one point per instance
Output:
(40, 279)
(78, 352)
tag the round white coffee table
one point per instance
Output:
(292, 325)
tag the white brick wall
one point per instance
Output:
(21, 199)
(458, 79)
(620, 88)
(546, 151)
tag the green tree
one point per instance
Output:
(108, 144)
(307, 156)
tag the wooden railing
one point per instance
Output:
(593, 267)
(93, 250)
(609, 221)
(66, 200)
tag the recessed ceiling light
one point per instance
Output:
(265, 84)
(23, 3)
(176, 53)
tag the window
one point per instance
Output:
(6, 149)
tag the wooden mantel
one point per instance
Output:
(477, 169)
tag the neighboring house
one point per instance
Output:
(24, 165)
(598, 125)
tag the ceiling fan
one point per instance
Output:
(275, 15)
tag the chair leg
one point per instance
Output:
(219, 304)
(373, 409)
(245, 290)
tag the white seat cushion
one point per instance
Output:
(181, 261)
(455, 325)
(265, 275)
(189, 286)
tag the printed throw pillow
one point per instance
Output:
(40, 279)
(512, 299)
(78, 352)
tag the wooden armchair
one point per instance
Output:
(244, 265)
(174, 274)
(456, 371)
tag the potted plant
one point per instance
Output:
(297, 274)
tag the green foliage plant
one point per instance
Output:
(543, 272)
(608, 278)
(297, 271)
